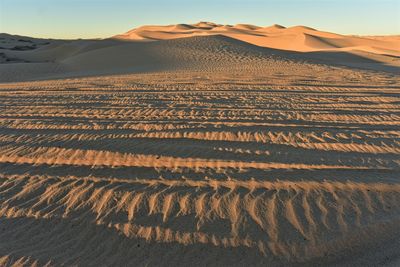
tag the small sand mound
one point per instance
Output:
(300, 28)
(246, 27)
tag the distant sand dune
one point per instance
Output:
(201, 46)
(297, 38)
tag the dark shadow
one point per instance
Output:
(68, 241)
(370, 175)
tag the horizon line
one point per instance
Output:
(41, 36)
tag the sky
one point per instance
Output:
(69, 19)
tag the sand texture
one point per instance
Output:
(197, 151)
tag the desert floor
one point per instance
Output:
(188, 168)
(246, 159)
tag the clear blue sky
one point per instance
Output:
(103, 18)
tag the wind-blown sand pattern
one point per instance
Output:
(230, 156)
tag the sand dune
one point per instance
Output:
(192, 47)
(200, 145)
(297, 38)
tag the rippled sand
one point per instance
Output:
(278, 164)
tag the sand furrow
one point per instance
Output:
(223, 206)
(259, 166)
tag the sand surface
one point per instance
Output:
(197, 151)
